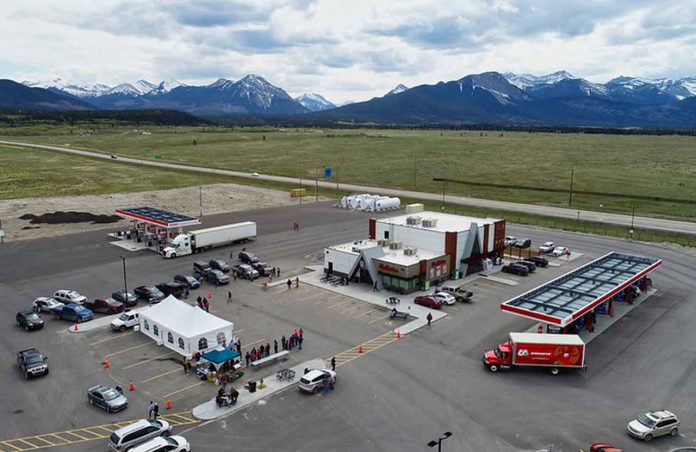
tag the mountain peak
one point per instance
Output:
(314, 102)
(400, 88)
(221, 83)
(524, 81)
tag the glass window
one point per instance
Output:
(170, 338)
(181, 343)
(155, 330)
(146, 324)
(202, 343)
(221, 340)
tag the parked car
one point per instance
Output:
(217, 277)
(32, 363)
(539, 261)
(219, 264)
(174, 288)
(604, 447)
(69, 296)
(458, 293)
(523, 243)
(530, 265)
(127, 298)
(428, 301)
(263, 268)
(445, 298)
(201, 268)
(46, 304)
(510, 240)
(126, 320)
(245, 271)
(29, 320)
(515, 269)
(546, 247)
(107, 398)
(174, 443)
(105, 305)
(247, 257)
(137, 433)
(653, 424)
(189, 280)
(313, 381)
(560, 251)
(74, 312)
(151, 294)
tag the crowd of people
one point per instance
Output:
(296, 339)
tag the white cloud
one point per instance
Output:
(343, 50)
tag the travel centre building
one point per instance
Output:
(411, 252)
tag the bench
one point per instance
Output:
(398, 315)
(271, 359)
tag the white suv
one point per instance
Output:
(138, 432)
(445, 298)
(559, 251)
(162, 444)
(69, 296)
(126, 320)
(546, 247)
(313, 381)
(510, 240)
(652, 424)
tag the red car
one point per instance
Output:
(604, 447)
(105, 305)
(428, 301)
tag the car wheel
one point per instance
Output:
(26, 375)
(122, 328)
(674, 431)
(18, 324)
(555, 371)
(648, 437)
(91, 402)
(315, 390)
(493, 368)
(174, 256)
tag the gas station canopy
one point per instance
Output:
(570, 296)
(159, 217)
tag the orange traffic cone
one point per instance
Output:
(210, 295)
(106, 364)
(360, 349)
(398, 334)
(75, 328)
(169, 405)
(132, 386)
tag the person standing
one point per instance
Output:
(325, 382)
(289, 283)
(268, 349)
(333, 364)
(155, 411)
(299, 342)
(151, 409)
(429, 318)
(284, 341)
(278, 271)
(229, 296)
(239, 347)
(275, 346)
(186, 292)
(301, 333)
(184, 364)
(247, 358)
(297, 283)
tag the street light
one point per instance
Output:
(125, 284)
(438, 443)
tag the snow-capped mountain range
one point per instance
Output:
(139, 88)
(314, 102)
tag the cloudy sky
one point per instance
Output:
(343, 49)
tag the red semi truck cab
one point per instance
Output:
(555, 351)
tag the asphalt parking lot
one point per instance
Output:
(397, 397)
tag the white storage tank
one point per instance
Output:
(387, 204)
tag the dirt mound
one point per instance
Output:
(61, 217)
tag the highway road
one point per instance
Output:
(639, 222)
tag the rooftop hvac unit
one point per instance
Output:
(413, 221)
(355, 249)
(410, 251)
(395, 245)
(429, 223)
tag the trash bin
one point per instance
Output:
(252, 386)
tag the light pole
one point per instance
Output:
(125, 283)
(438, 442)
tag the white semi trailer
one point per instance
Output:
(202, 239)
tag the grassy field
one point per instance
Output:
(33, 173)
(643, 165)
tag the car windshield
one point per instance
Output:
(80, 308)
(73, 294)
(123, 317)
(34, 359)
(110, 394)
(110, 301)
(497, 352)
(646, 421)
(156, 291)
(32, 316)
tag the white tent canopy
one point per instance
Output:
(184, 328)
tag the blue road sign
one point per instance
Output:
(327, 172)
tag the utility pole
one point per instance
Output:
(438, 442)
(125, 283)
(443, 197)
(200, 202)
(414, 169)
(633, 216)
(316, 185)
(570, 198)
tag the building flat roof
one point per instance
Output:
(446, 222)
(398, 257)
(350, 247)
(568, 297)
(159, 217)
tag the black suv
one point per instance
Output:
(523, 243)
(217, 277)
(151, 294)
(247, 257)
(127, 298)
(516, 269)
(29, 320)
(189, 280)
(201, 268)
(263, 268)
(32, 363)
(539, 261)
(172, 288)
(530, 265)
(219, 264)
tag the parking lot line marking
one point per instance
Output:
(377, 320)
(178, 391)
(112, 338)
(44, 440)
(10, 445)
(127, 349)
(339, 303)
(253, 343)
(365, 313)
(75, 434)
(147, 380)
(33, 446)
(351, 309)
(130, 366)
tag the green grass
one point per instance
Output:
(662, 166)
(34, 173)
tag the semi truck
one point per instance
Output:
(203, 239)
(554, 351)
